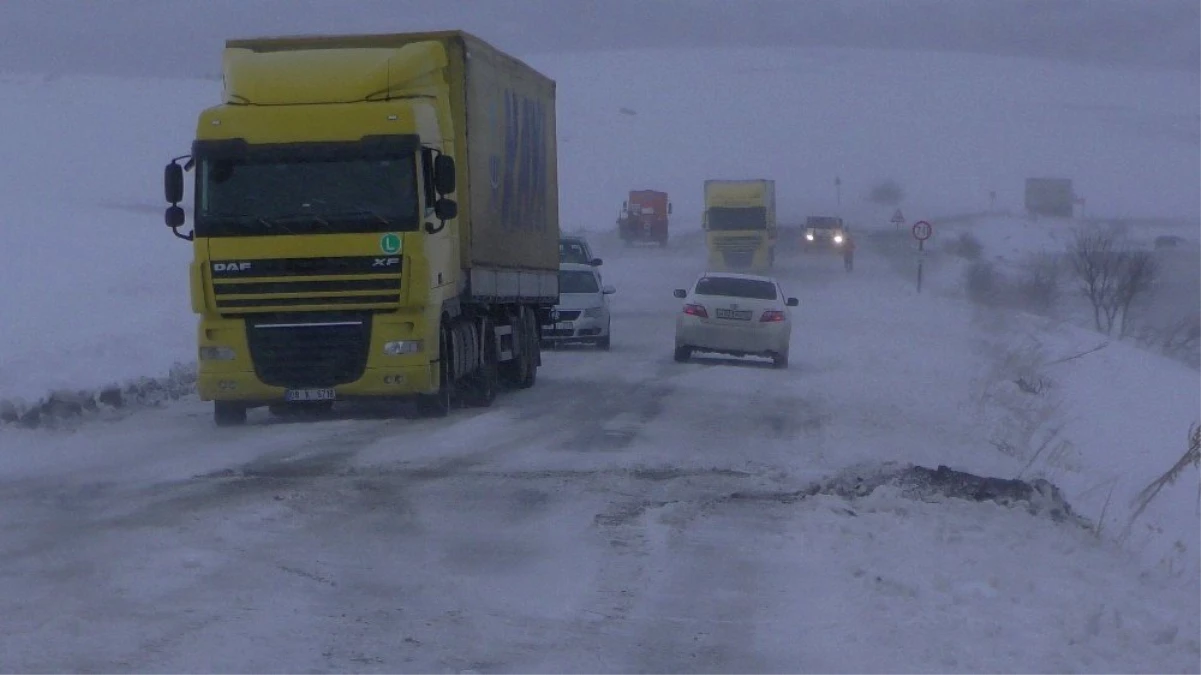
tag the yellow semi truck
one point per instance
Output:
(740, 224)
(374, 216)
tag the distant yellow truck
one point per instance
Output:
(740, 224)
(375, 216)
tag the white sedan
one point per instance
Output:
(738, 314)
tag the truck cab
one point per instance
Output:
(347, 239)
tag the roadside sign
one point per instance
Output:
(898, 218)
(922, 230)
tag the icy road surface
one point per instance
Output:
(587, 524)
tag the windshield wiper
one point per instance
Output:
(268, 224)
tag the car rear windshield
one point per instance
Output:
(577, 282)
(736, 288)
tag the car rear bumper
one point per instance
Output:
(754, 338)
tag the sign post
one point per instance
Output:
(838, 189)
(898, 219)
(921, 232)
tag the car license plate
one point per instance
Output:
(309, 395)
(563, 325)
(735, 314)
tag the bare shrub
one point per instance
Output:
(1180, 340)
(1111, 276)
(886, 193)
(966, 246)
(1039, 287)
(981, 282)
(1191, 457)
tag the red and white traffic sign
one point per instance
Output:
(898, 218)
(922, 230)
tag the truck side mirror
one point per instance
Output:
(444, 175)
(174, 217)
(680, 293)
(173, 183)
(669, 208)
(791, 302)
(596, 262)
(446, 209)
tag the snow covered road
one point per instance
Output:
(626, 514)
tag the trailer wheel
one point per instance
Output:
(229, 413)
(522, 371)
(482, 391)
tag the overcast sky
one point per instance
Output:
(184, 37)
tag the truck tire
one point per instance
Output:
(534, 355)
(522, 371)
(481, 392)
(440, 403)
(229, 413)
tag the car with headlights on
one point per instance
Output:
(824, 234)
(582, 314)
(736, 314)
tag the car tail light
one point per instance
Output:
(696, 310)
(772, 315)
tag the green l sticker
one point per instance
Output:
(390, 243)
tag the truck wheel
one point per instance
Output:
(439, 404)
(534, 354)
(229, 413)
(482, 392)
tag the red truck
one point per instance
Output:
(644, 217)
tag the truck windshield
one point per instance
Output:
(237, 197)
(742, 218)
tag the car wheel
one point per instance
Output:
(780, 360)
(228, 413)
(683, 354)
(603, 343)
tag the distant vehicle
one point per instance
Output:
(643, 217)
(740, 225)
(737, 314)
(575, 249)
(1168, 241)
(1051, 197)
(582, 314)
(824, 234)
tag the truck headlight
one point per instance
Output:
(399, 347)
(217, 354)
(809, 237)
(838, 239)
(593, 312)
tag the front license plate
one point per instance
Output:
(563, 326)
(309, 395)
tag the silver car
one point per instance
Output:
(582, 314)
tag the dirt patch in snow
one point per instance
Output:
(67, 408)
(1037, 497)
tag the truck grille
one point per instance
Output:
(744, 243)
(300, 353)
(737, 259)
(300, 284)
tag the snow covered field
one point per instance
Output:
(628, 513)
